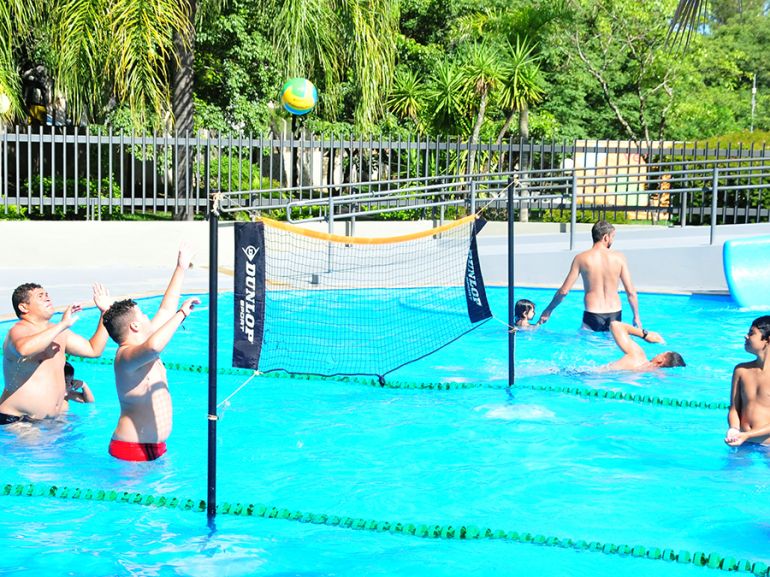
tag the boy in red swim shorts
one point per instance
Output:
(145, 402)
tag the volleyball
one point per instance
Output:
(5, 103)
(299, 96)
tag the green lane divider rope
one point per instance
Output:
(575, 391)
(426, 531)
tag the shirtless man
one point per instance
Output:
(145, 402)
(749, 414)
(633, 358)
(601, 270)
(33, 354)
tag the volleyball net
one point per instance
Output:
(329, 305)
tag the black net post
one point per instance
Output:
(511, 302)
(211, 494)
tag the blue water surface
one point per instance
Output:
(556, 464)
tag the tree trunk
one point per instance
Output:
(505, 127)
(476, 131)
(182, 107)
(524, 161)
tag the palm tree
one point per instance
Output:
(407, 96)
(445, 96)
(18, 18)
(482, 72)
(328, 40)
(97, 49)
(521, 85)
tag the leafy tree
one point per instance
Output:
(522, 85)
(482, 72)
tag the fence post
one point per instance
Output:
(473, 196)
(573, 211)
(714, 187)
(683, 210)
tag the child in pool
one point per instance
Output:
(77, 390)
(523, 313)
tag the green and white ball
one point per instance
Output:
(299, 96)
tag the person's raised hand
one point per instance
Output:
(544, 316)
(102, 298)
(69, 316)
(186, 254)
(189, 305)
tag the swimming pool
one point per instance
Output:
(555, 463)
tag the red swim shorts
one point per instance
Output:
(136, 451)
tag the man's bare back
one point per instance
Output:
(145, 402)
(602, 271)
(146, 417)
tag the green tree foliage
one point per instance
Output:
(236, 77)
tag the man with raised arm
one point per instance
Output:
(601, 270)
(145, 402)
(634, 358)
(749, 414)
(33, 354)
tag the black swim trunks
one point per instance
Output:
(600, 322)
(9, 419)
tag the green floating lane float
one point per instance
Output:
(451, 386)
(425, 531)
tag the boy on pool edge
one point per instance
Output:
(145, 402)
(749, 414)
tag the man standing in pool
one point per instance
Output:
(33, 354)
(634, 358)
(145, 402)
(749, 414)
(601, 270)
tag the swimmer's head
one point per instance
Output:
(69, 374)
(602, 229)
(119, 317)
(668, 359)
(524, 309)
(24, 294)
(762, 324)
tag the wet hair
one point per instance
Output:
(600, 229)
(21, 295)
(673, 360)
(116, 316)
(763, 326)
(69, 370)
(523, 306)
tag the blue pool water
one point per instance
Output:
(533, 461)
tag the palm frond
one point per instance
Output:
(141, 33)
(687, 17)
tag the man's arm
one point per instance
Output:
(633, 298)
(170, 303)
(563, 291)
(734, 436)
(136, 356)
(27, 345)
(622, 332)
(736, 401)
(93, 347)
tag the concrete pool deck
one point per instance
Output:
(136, 258)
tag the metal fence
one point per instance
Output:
(93, 174)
